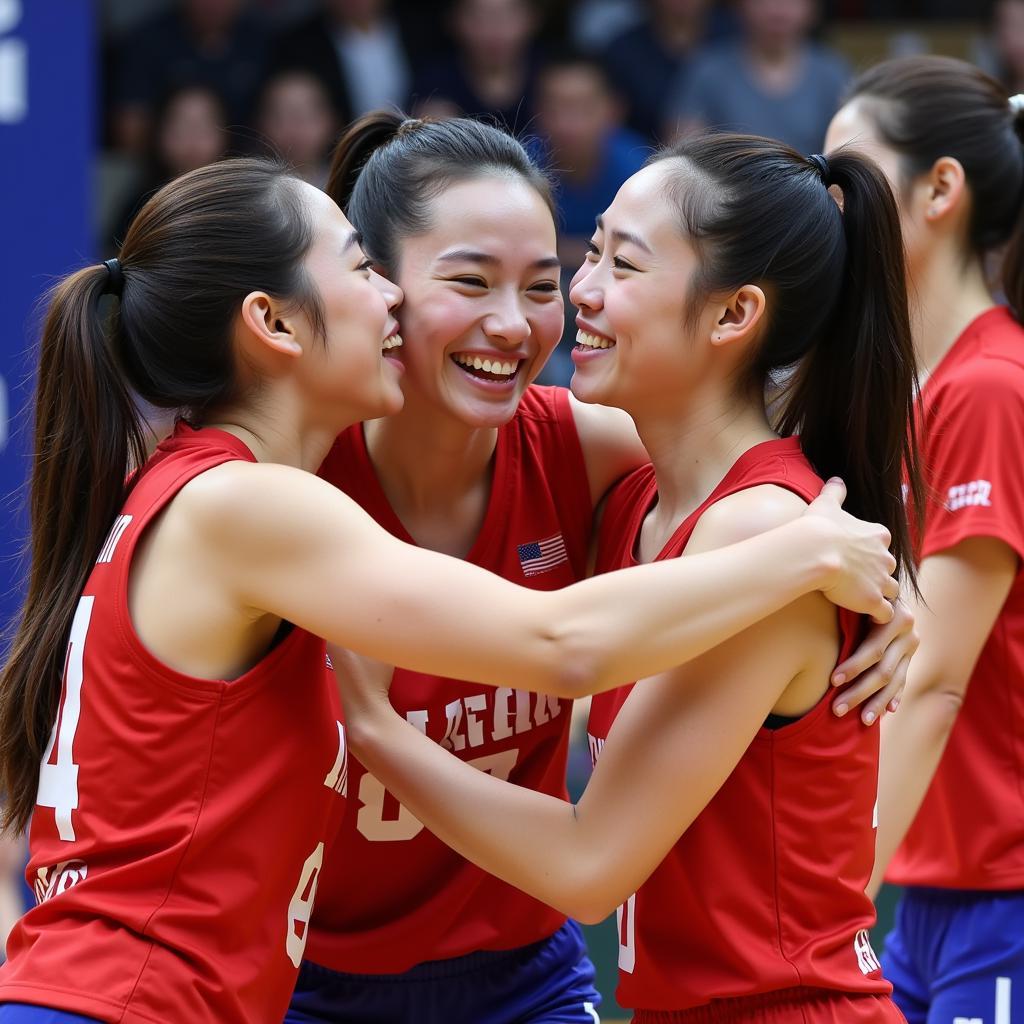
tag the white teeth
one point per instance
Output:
(592, 340)
(505, 369)
(395, 341)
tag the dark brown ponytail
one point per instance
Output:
(837, 331)
(190, 256)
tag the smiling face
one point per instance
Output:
(636, 347)
(355, 366)
(482, 309)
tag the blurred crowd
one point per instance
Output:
(592, 85)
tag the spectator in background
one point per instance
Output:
(188, 130)
(218, 43)
(358, 49)
(647, 58)
(1008, 43)
(772, 81)
(296, 118)
(589, 155)
(493, 68)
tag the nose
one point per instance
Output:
(393, 295)
(506, 322)
(584, 290)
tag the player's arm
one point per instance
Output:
(304, 551)
(611, 446)
(962, 592)
(672, 746)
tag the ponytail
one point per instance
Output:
(1013, 256)
(88, 438)
(191, 255)
(356, 145)
(837, 331)
(387, 168)
(851, 399)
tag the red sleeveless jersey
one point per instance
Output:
(415, 899)
(180, 823)
(969, 831)
(765, 890)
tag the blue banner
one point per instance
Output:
(47, 135)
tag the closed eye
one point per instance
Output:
(472, 282)
(544, 286)
(620, 264)
(593, 254)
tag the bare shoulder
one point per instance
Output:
(610, 443)
(238, 502)
(745, 514)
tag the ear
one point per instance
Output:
(947, 188)
(266, 325)
(738, 316)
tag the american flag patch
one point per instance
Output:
(541, 555)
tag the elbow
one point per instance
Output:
(940, 701)
(592, 893)
(569, 668)
(590, 911)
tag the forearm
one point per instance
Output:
(912, 744)
(624, 626)
(495, 824)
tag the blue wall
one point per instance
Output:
(47, 134)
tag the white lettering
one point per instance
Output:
(474, 726)
(453, 739)
(867, 961)
(53, 881)
(974, 492)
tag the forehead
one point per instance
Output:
(854, 126)
(494, 213)
(642, 204)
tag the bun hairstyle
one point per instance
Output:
(387, 168)
(758, 212)
(930, 107)
(192, 253)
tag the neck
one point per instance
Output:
(945, 296)
(277, 431)
(774, 52)
(426, 459)
(692, 450)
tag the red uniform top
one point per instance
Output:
(765, 890)
(415, 899)
(180, 822)
(969, 832)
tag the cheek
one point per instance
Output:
(548, 326)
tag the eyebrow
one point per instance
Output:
(474, 256)
(625, 236)
(356, 238)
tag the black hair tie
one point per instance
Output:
(115, 278)
(820, 163)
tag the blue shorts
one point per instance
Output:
(957, 957)
(23, 1013)
(548, 982)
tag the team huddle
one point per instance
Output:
(287, 712)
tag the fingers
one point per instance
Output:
(834, 490)
(890, 589)
(878, 690)
(883, 612)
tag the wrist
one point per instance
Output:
(820, 563)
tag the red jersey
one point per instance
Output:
(969, 831)
(765, 890)
(180, 823)
(417, 900)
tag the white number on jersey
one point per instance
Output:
(372, 795)
(301, 907)
(58, 782)
(625, 917)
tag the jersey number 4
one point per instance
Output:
(58, 779)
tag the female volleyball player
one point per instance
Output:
(481, 464)
(951, 795)
(713, 270)
(166, 716)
